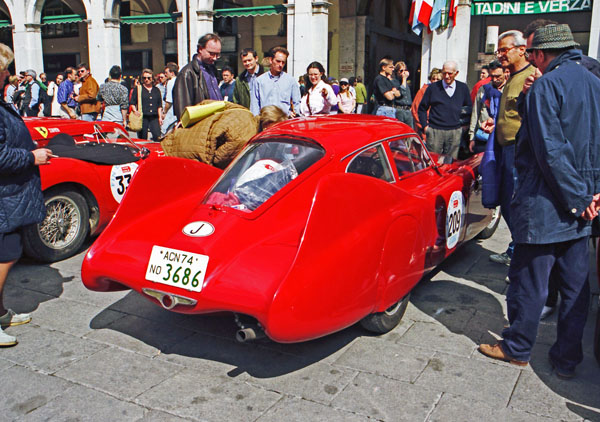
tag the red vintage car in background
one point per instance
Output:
(319, 222)
(81, 196)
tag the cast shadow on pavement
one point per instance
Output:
(189, 338)
(468, 299)
(30, 284)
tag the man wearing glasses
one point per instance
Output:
(197, 81)
(512, 55)
(88, 94)
(440, 110)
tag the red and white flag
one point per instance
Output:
(420, 13)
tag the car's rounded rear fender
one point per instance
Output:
(333, 281)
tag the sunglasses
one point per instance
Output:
(81, 71)
(147, 78)
(343, 83)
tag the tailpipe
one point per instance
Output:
(249, 334)
(250, 329)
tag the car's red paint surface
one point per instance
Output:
(91, 180)
(324, 251)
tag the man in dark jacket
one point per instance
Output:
(197, 81)
(556, 196)
(244, 82)
(440, 110)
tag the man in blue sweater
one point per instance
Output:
(439, 111)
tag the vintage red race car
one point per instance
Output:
(81, 195)
(319, 223)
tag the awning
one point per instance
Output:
(5, 24)
(150, 19)
(49, 20)
(239, 12)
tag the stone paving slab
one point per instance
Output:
(456, 408)
(45, 350)
(483, 381)
(23, 390)
(292, 409)
(84, 404)
(208, 398)
(381, 357)
(139, 334)
(119, 373)
(387, 399)
(70, 317)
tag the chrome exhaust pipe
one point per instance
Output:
(249, 334)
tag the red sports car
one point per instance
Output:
(81, 195)
(318, 223)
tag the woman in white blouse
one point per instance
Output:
(319, 96)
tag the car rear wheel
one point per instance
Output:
(382, 322)
(491, 228)
(63, 231)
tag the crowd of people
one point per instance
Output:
(533, 114)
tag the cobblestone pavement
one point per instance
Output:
(117, 357)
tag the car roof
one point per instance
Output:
(342, 133)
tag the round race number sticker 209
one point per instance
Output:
(454, 218)
(120, 177)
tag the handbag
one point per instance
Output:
(135, 120)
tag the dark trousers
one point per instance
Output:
(507, 187)
(149, 123)
(529, 273)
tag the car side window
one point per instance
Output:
(409, 155)
(371, 162)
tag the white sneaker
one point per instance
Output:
(6, 340)
(11, 318)
(547, 311)
(500, 258)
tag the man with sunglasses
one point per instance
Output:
(511, 54)
(197, 80)
(556, 197)
(88, 94)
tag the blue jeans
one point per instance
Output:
(508, 177)
(89, 117)
(529, 273)
(386, 111)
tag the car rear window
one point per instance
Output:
(260, 171)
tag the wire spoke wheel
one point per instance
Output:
(64, 229)
(62, 222)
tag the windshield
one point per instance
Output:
(260, 171)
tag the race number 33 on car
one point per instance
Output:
(454, 218)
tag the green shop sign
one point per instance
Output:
(529, 7)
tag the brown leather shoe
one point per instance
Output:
(495, 351)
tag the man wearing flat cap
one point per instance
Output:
(31, 98)
(556, 197)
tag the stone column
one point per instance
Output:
(594, 50)
(450, 44)
(201, 22)
(104, 45)
(307, 34)
(458, 39)
(27, 39)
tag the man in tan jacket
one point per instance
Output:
(88, 93)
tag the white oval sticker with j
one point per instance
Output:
(199, 229)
